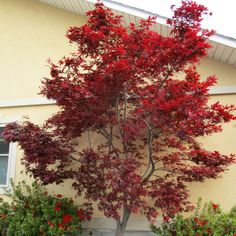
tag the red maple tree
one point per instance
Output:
(121, 85)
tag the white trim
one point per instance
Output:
(10, 167)
(26, 102)
(231, 89)
(225, 40)
(217, 90)
(11, 162)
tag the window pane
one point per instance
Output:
(3, 169)
(4, 147)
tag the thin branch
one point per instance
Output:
(151, 165)
(89, 139)
(122, 133)
(157, 133)
(73, 159)
(164, 79)
(105, 134)
(110, 138)
(155, 162)
(149, 126)
(118, 117)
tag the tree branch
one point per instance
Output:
(151, 165)
(110, 139)
(122, 133)
(73, 159)
(106, 135)
(126, 215)
(164, 79)
(89, 139)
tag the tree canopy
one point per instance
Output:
(139, 92)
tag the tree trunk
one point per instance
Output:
(121, 226)
(118, 229)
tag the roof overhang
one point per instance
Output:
(223, 47)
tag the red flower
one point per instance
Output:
(57, 208)
(81, 214)
(200, 222)
(50, 223)
(215, 206)
(204, 222)
(196, 220)
(59, 196)
(58, 204)
(61, 226)
(67, 218)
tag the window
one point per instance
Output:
(4, 159)
(7, 161)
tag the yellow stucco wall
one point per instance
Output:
(31, 32)
(222, 190)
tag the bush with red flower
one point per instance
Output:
(209, 220)
(34, 212)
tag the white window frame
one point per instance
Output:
(11, 166)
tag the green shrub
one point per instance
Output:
(33, 212)
(232, 212)
(207, 220)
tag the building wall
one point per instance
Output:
(31, 32)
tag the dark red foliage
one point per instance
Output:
(42, 149)
(122, 84)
